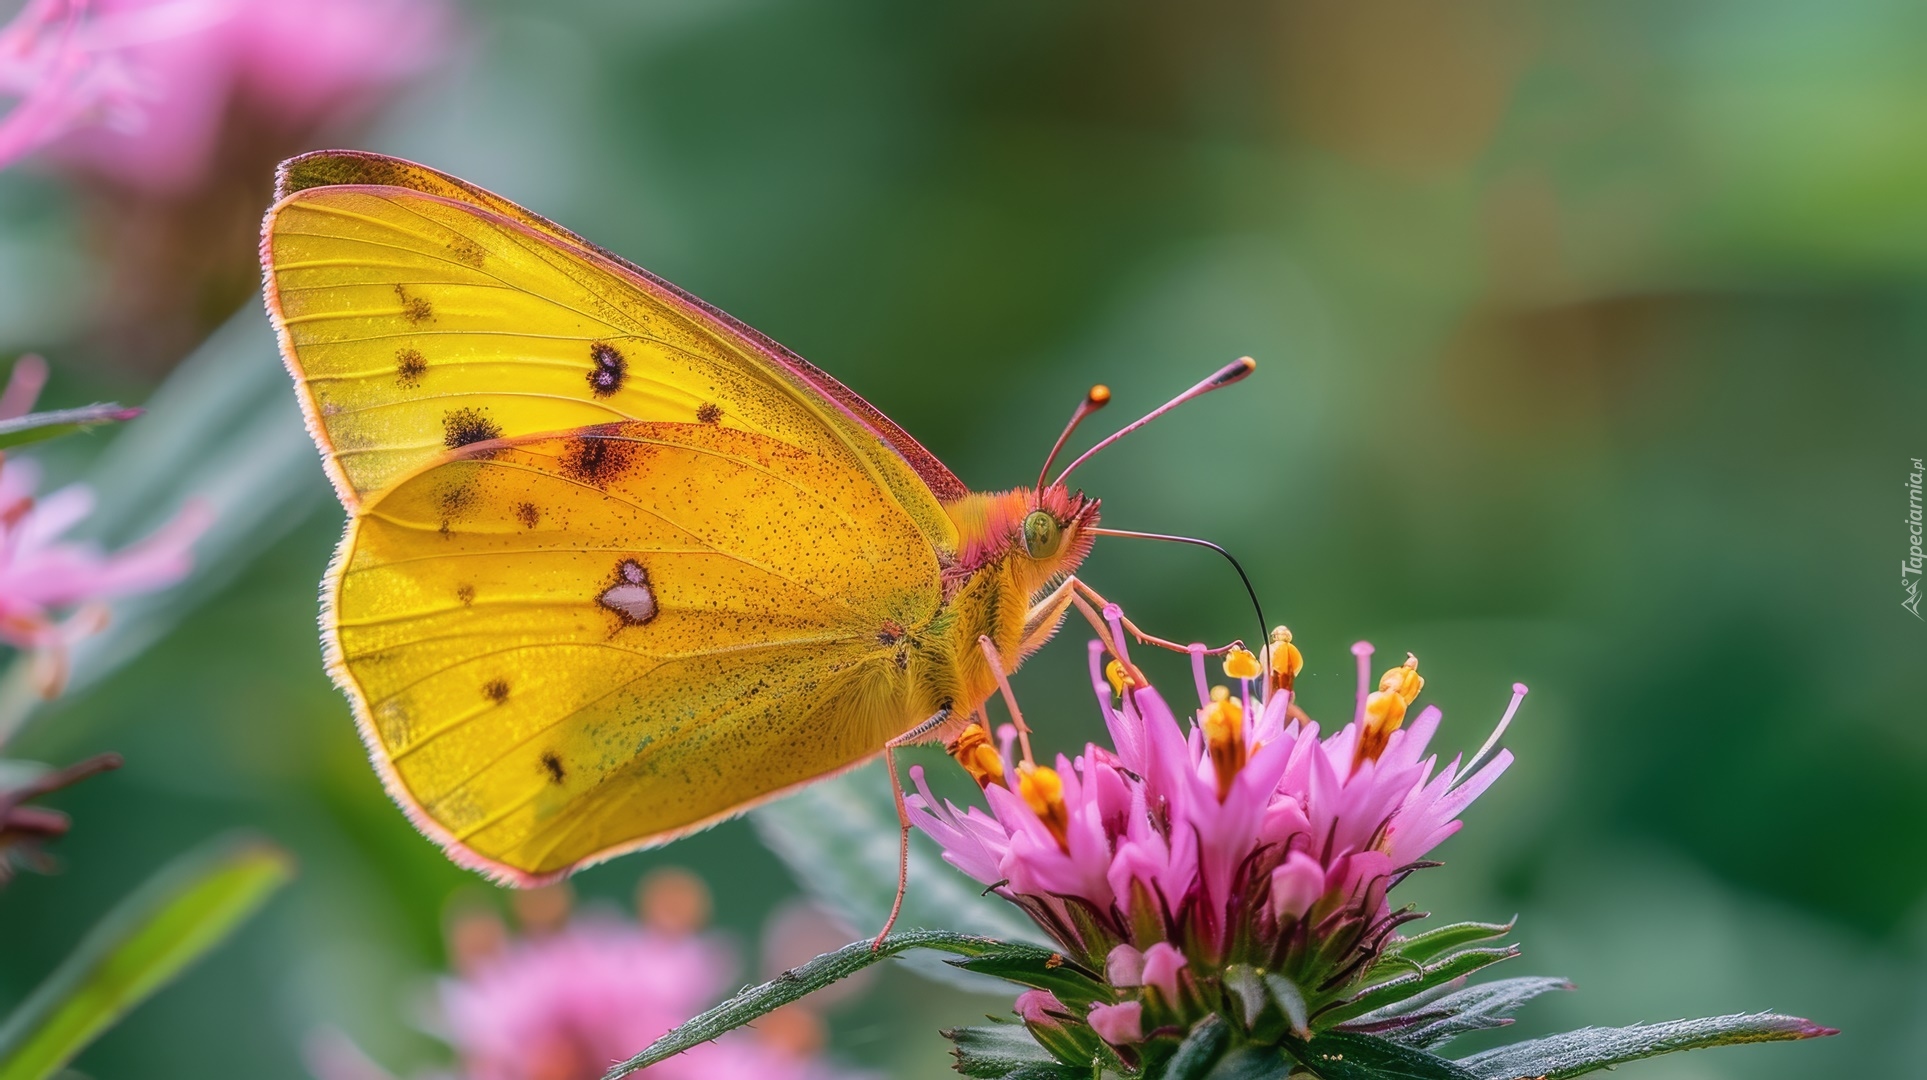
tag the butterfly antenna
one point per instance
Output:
(1225, 376)
(1242, 576)
(1099, 397)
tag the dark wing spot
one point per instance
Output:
(457, 500)
(553, 765)
(413, 308)
(528, 515)
(610, 368)
(597, 458)
(467, 252)
(463, 426)
(496, 690)
(466, 594)
(709, 412)
(409, 368)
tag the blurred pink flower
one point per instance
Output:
(137, 90)
(50, 589)
(566, 1005)
(1245, 837)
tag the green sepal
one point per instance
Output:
(1423, 948)
(1005, 1051)
(1400, 987)
(1291, 1002)
(1200, 1050)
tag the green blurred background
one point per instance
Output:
(1592, 347)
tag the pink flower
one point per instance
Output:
(137, 90)
(568, 1004)
(1119, 1025)
(1247, 836)
(51, 589)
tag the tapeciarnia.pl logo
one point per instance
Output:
(1910, 566)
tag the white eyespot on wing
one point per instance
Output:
(630, 597)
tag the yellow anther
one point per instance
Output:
(979, 757)
(1224, 738)
(1119, 679)
(1240, 664)
(1220, 693)
(1403, 680)
(1285, 659)
(1043, 791)
(1384, 712)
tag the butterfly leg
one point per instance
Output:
(1010, 700)
(915, 734)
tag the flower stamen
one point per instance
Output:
(1043, 791)
(1224, 738)
(1283, 659)
(974, 751)
(1240, 664)
(1385, 709)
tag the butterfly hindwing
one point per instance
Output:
(566, 644)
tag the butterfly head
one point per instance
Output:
(1053, 536)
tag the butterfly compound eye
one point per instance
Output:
(1042, 534)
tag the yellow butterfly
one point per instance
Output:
(618, 566)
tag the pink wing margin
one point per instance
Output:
(331, 168)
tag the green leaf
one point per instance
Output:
(1457, 965)
(1346, 1055)
(1423, 948)
(1006, 1052)
(1035, 966)
(1576, 1053)
(755, 1001)
(33, 427)
(144, 942)
(1476, 1008)
(1200, 1049)
(839, 839)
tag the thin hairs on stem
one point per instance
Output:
(1223, 377)
(1242, 576)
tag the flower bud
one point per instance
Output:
(1119, 1025)
(1162, 965)
(1295, 886)
(1046, 1019)
(1124, 966)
